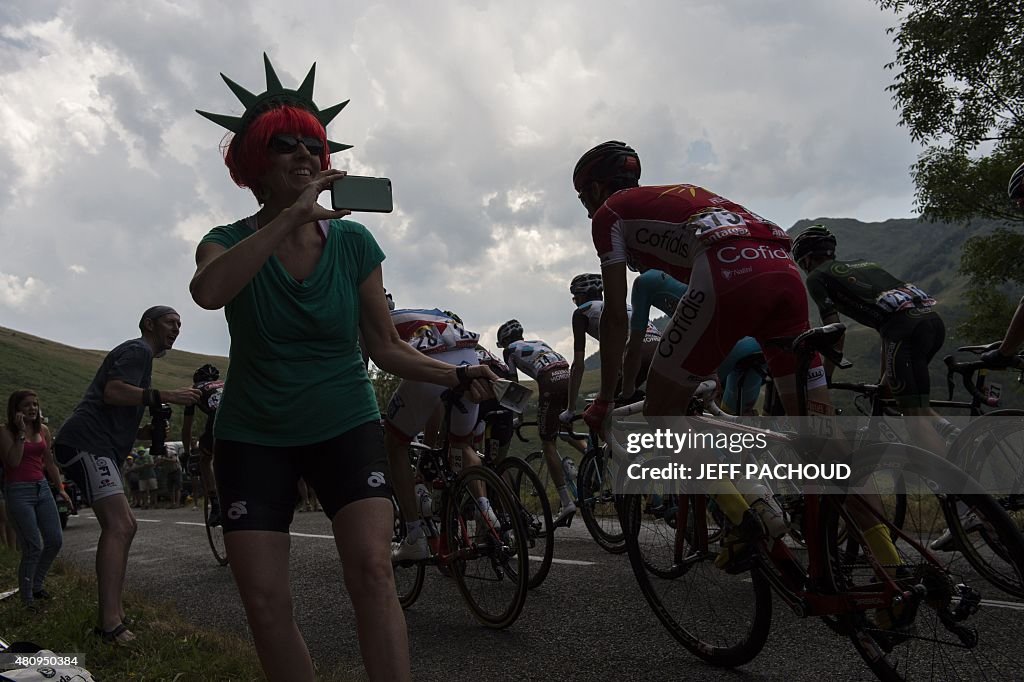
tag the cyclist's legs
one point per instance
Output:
(909, 342)
(408, 412)
(206, 472)
(553, 390)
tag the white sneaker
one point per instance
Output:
(564, 517)
(946, 542)
(417, 550)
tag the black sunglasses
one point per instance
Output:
(287, 144)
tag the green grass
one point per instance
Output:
(167, 648)
(60, 374)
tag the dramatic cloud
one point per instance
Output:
(476, 110)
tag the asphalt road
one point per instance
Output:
(588, 621)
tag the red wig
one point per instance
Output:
(247, 156)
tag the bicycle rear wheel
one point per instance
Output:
(487, 552)
(721, 618)
(990, 450)
(215, 535)
(409, 575)
(943, 627)
(597, 502)
(536, 512)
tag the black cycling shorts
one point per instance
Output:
(258, 484)
(910, 339)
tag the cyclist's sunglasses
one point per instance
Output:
(287, 144)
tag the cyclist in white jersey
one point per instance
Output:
(549, 369)
(587, 290)
(435, 333)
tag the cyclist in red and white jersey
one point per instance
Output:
(442, 336)
(742, 281)
(587, 290)
(549, 369)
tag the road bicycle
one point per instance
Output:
(988, 449)
(913, 618)
(590, 487)
(486, 553)
(532, 502)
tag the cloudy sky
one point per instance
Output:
(476, 110)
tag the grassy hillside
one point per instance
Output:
(60, 374)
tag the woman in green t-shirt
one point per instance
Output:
(298, 285)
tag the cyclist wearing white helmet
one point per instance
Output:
(549, 369)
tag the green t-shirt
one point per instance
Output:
(296, 374)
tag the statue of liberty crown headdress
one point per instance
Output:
(276, 94)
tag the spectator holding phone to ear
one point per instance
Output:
(298, 285)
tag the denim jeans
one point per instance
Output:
(33, 511)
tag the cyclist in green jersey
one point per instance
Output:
(904, 316)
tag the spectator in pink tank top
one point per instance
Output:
(28, 462)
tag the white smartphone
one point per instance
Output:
(361, 193)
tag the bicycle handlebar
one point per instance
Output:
(567, 430)
(966, 370)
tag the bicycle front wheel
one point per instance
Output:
(597, 502)
(409, 575)
(486, 546)
(536, 512)
(215, 535)
(721, 618)
(928, 614)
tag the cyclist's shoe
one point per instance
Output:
(771, 517)
(214, 518)
(740, 545)
(564, 517)
(487, 525)
(947, 543)
(417, 550)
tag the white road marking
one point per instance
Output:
(567, 562)
(1015, 605)
(149, 520)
